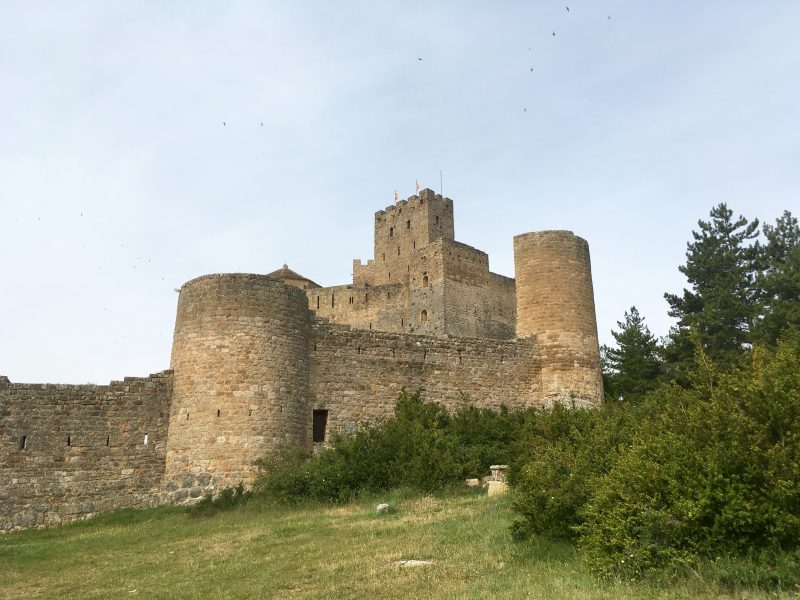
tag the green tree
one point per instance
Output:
(779, 280)
(721, 304)
(633, 367)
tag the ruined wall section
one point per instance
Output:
(68, 452)
(240, 358)
(357, 375)
(555, 302)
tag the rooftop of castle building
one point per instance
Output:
(286, 275)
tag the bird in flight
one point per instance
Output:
(567, 8)
(223, 123)
(419, 59)
(554, 34)
(531, 69)
(262, 123)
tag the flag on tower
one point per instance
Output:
(396, 197)
(417, 182)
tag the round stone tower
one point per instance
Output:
(240, 362)
(555, 302)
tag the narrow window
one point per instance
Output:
(392, 352)
(69, 440)
(145, 439)
(391, 231)
(437, 219)
(408, 224)
(23, 444)
(320, 423)
(370, 325)
(359, 349)
(187, 416)
(424, 354)
(415, 244)
(424, 281)
(421, 201)
(402, 322)
(315, 346)
(366, 297)
(217, 412)
(250, 413)
(398, 251)
(351, 299)
(384, 257)
(333, 300)
(108, 440)
(317, 302)
(390, 278)
(423, 316)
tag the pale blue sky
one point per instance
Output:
(118, 181)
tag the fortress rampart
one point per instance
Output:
(261, 362)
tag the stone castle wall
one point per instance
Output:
(357, 375)
(254, 358)
(68, 452)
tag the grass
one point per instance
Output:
(312, 551)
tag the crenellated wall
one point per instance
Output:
(68, 452)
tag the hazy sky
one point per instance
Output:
(119, 182)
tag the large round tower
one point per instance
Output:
(555, 302)
(240, 362)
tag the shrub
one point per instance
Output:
(226, 499)
(421, 447)
(714, 471)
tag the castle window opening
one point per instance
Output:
(366, 297)
(351, 299)
(317, 302)
(423, 316)
(145, 439)
(424, 281)
(69, 440)
(391, 231)
(437, 219)
(320, 423)
(23, 444)
(370, 325)
(402, 322)
(108, 440)
(384, 257)
(217, 412)
(187, 416)
(415, 244)
(333, 300)
(408, 224)
(398, 251)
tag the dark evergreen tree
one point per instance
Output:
(721, 304)
(633, 368)
(779, 280)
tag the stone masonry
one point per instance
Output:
(261, 362)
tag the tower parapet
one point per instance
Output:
(555, 302)
(240, 355)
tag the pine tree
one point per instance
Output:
(779, 280)
(633, 368)
(721, 304)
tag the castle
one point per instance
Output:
(261, 362)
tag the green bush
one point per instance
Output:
(227, 499)
(563, 452)
(421, 447)
(715, 470)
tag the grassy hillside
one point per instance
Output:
(309, 552)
